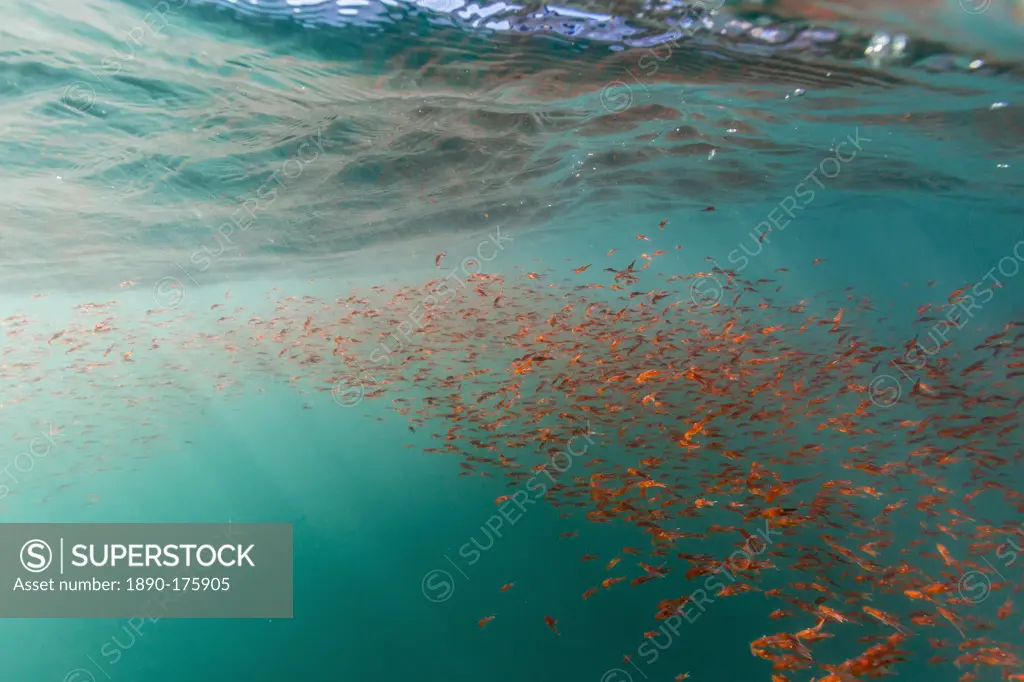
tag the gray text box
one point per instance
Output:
(142, 570)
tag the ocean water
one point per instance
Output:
(324, 264)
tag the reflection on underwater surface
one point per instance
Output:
(576, 355)
(270, 142)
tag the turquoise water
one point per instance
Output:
(261, 167)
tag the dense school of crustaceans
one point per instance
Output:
(885, 471)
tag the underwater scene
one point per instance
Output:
(619, 341)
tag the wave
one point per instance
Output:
(141, 142)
